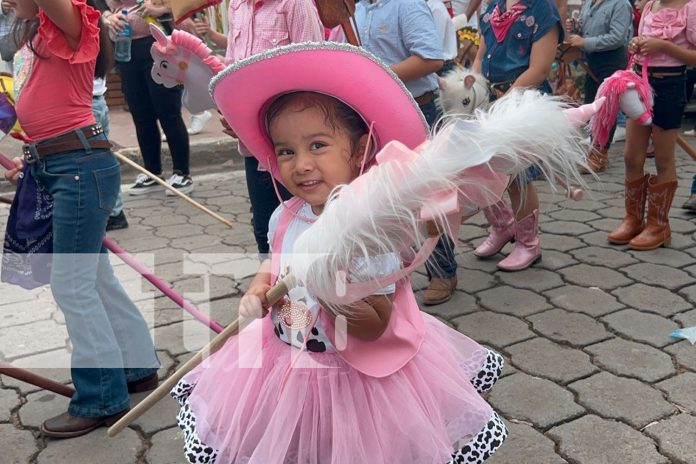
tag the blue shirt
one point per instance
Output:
(394, 30)
(505, 61)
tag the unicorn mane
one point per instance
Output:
(612, 88)
(198, 48)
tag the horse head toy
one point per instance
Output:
(183, 59)
(627, 91)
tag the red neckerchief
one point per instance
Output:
(501, 22)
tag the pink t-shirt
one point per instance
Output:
(139, 27)
(676, 26)
(54, 89)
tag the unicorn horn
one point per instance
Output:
(582, 114)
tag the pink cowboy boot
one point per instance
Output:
(502, 230)
(527, 249)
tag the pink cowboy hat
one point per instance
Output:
(244, 90)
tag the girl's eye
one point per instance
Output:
(284, 152)
(317, 145)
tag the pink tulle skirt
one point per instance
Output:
(329, 413)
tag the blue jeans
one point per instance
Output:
(441, 263)
(111, 341)
(101, 113)
(693, 185)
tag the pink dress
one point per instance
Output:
(248, 405)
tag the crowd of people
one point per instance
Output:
(300, 139)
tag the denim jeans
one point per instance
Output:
(110, 339)
(693, 185)
(441, 263)
(263, 200)
(101, 113)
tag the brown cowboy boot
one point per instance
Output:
(68, 426)
(632, 224)
(439, 290)
(597, 160)
(656, 232)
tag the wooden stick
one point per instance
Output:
(273, 296)
(686, 147)
(36, 380)
(173, 190)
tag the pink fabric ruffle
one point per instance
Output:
(88, 47)
(334, 414)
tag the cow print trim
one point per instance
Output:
(483, 445)
(484, 380)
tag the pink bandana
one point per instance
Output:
(501, 22)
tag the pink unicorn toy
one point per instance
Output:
(184, 59)
(627, 91)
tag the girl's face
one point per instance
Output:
(24, 9)
(313, 157)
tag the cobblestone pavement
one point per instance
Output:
(592, 374)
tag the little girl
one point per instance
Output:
(518, 47)
(385, 393)
(666, 44)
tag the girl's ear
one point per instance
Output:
(359, 152)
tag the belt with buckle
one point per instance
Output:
(661, 72)
(66, 142)
(426, 98)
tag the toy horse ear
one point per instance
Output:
(158, 35)
(469, 81)
(631, 85)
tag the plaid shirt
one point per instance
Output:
(256, 26)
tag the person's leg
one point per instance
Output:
(525, 204)
(263, 200)
(690, 203)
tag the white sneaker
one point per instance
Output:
(619, 134)
(198, 121)
(182, 183)
(143, 184)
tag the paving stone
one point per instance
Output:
(681, 390)
(574, 215)
(685, 354)
(22, 313)
(689, 293)
(565, 228)
(665, 256)
(121, 449)
(681, 226)
(525, 445)
(538, 394)
(599, 256)
(631, 359)
(586, 204)
(559, 242)
(182, 337)
(54, 365)
(32, 339)
(593, 301)
(605, 225)
(612, 212)
(461, 303)
(594, 276)
(18, 446)
(691, 270)
(593, 440)
(498, 330)
(514, 301)
(469, 261)
(161, 416)
(615, 397)
(642, 327)
(471, 281)
(469, 233)
(534, 279)
(676, 437)
(40, 406)
(419, 281)
(9, 400)
(167, 447)
(543, 358)
(686, 319)
(599, 239)
(655, 274)
(554, 260)
(655, 299)
(563, 326)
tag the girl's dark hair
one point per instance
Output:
(338, 115)
(24, 31)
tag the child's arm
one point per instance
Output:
(476, 65)
(64, 15)
(543, 54)
(472, 9)
(371, 317)
(648, 46)
(254, 303)
(203, 29)
(415, 67)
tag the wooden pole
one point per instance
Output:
(686, 147)
(36, 380)
(273, 296)
(173, 190)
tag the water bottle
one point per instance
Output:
(123, 42)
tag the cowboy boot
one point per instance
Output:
(502, 230)
(597, 160)
(656, 232)
(527, 249)
(634, 201)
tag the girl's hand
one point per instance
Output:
(226, 128)
(149, 9)
(117, 22)
(576, 41)
(254, 304)
(649, 46)
(13, 175)
(202, 26)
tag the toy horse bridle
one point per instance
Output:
(182, 66)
